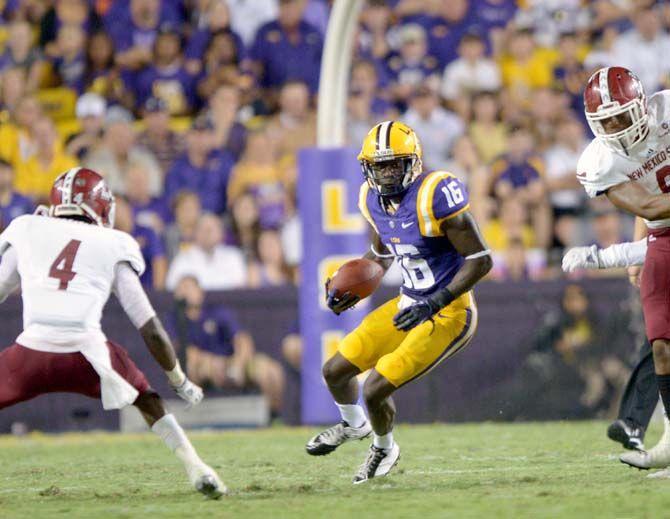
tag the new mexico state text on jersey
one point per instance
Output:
(599, 168)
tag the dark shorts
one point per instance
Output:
(26, 373)
(655, 285)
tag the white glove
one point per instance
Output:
(189, 391)
(581, 258)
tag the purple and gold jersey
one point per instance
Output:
(413, 234)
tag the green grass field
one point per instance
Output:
(476, 470)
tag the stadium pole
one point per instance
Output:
(334, 78)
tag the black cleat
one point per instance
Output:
(327, 441)
(626, 434)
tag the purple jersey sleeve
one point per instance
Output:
(450, 198)
(441, 196)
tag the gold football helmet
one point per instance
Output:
(390, 158)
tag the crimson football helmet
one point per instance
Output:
(83, 192)
(613, 92)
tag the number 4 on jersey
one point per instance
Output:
(65, 274)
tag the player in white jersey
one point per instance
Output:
(68, 260)
(629, 162)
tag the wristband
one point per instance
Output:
(442, 298)
(176, 375)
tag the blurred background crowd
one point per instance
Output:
(194, 111)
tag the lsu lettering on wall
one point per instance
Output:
(333, 233)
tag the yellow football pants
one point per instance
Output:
(404, 356)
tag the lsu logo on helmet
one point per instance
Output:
(390, 158)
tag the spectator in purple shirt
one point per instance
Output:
(519, 175)
(217, 20)
(230, 134)
(365, 105)
(288, 48)
(221, 66)
(102, 75)
(20, 52)
(218, 352)
(151, 245)
(493, 14)
(413, 65)
(157, 136)
(445, 27)
(365, 82)
(134, 31)
(66, 12)
(374, 37)
(12, 204)
(202, 169)
(167, 77)
(69, 57)
(148, 211)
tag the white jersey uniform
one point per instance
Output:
(600, 168)
(67, 270)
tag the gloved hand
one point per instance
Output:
(189, 392)
(414, 315)
(581, 258)
(339, 304)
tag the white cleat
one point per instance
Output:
(327, 441)
(658, 457)
(378, 463)
(206, 481)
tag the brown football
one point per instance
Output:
(360, 277)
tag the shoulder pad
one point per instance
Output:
(596, 169)
(441, 196)
(129, 251)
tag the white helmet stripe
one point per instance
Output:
(383, 135)
(603, 86)
(67, 185)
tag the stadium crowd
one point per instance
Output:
(197, 108)
(194, 110)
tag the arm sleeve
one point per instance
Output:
(623, 254)
(9, 274)
(131, 295)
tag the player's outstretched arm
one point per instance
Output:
(159, 345)
(619, 255)
(464, 235)
(634, 198)
(378, 253)
(135, 303)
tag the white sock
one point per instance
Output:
(353, 414)
(383, 442)
(175, 438)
